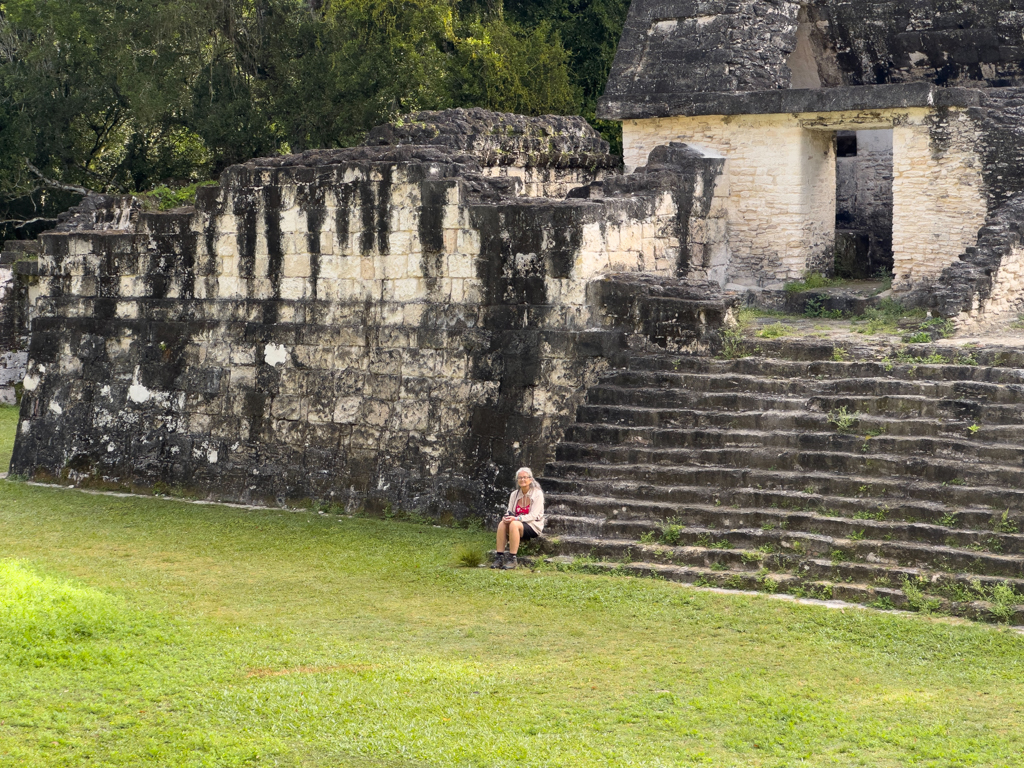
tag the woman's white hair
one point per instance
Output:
(533, 480)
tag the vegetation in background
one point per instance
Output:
(117, 97)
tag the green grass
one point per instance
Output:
(811, 281)
(152, 632)
(775, 331)
(8, 426)
(886, 318)
(162, 633)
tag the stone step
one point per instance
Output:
(752, 545)
(763, 580)
(803, 440)
(604, 394)
(907, 406)
(958, 587)
(788, 421)
(894, 406)
(626, 550)
(828, 369)
(818, 350)
(618, 495)
(871, 465)
(629, 518)
(979, 391)
(811, 483)
(698, 576)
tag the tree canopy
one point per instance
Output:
(127, 95)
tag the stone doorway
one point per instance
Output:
(864, 203)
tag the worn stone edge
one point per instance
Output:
(788, 101)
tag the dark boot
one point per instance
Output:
(499, 560)
(510, 563)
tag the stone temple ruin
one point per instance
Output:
(889, 128)
(405, 322)
(399, 320)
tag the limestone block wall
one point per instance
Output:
(781, 187)
(673, 49)
(549, 155)
(1006, 300)
(12, 359)
(895, 41)
(544, 182)
(985, 285)
(777, 189)
(741, 45)
(385, 322)
(939, 195)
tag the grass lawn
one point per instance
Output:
(151, 632)
(8, 426)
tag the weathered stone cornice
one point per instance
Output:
(844, 99)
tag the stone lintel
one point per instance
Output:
(844, 99)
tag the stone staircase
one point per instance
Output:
(890, 482)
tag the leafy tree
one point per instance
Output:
(501, 66)
(126, 95)
(590, 31)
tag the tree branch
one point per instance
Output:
(57, 184)
(22, 222)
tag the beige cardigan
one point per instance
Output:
(535, 517)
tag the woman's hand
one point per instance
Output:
(508, 518)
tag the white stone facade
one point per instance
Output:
(938, 194)
(615, 240)
(779, 187)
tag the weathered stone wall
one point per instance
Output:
(939, 196)
(979, 288)
(945, 77)
(714, 45)
(722, 46)
(948, 43)
(691, 193)
(778, 189)
(549, 157)
(384, 322)
(17, 295)
(1006, 300)
(986, 284)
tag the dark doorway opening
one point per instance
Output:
(863, 204)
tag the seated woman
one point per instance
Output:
(523, 520)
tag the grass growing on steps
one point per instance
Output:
(173, 634)
(8, 427)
